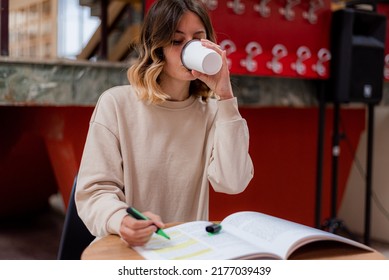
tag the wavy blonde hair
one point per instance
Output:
(157, 32)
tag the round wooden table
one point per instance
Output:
(112, 247)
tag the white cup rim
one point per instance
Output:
(183, 51)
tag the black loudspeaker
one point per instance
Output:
(358, 50)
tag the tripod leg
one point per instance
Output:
(337, 226)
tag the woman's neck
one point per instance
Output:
(177, 90)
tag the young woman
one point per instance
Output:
(159, 142)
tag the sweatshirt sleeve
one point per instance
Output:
(231, 168)
(99, 194)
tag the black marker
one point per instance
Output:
(214, 228)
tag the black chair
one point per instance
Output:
(75, 235)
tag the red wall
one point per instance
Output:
(283, 147)
(40, 150)
(41, 147)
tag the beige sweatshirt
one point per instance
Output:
(159, 158)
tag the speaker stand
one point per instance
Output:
(320, 152)
(369, 172)
(334, 224)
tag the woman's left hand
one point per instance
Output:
(219, 83)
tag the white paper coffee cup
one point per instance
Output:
(195, 56)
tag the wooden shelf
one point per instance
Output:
(33, 28)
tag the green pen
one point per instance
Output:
(139, 216)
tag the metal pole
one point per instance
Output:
(335, 159)
(369, 173)
(104, 30)
(320, 151)
(4, 25)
